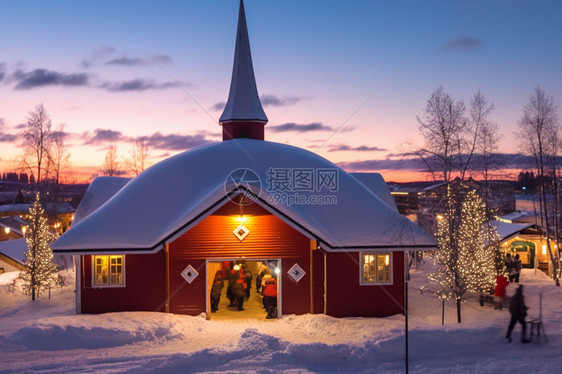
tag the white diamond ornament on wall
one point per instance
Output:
(189, 274)
(296, 272)
(241, 232)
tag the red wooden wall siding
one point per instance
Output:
(346, 297)
(318, 281)
(144, 291)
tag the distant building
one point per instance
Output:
(59, 214)
(527, 240)
(422, 202)
(12, 255)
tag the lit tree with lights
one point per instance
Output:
(493, 242)
(40, 270)
(477, 259)
(466, 262)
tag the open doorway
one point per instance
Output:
(230, 303)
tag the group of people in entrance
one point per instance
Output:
(239, 285)
(517, 307)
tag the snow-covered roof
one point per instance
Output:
(56, 207)
(99, 191)
(521, 217)
(505, 230)
(175, 194)
(14, 249)
(15, 208)
(243, 100)
(15, 224)
(375, 182)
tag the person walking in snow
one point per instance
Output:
(499, 291)
(517, 268)
(518, 311)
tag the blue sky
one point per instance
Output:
(106, 70)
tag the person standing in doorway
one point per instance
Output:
(270, 297)
(216, 294)
(232, 277)
(510, 267)
(248, 276)
(239, 291)
(517, 268)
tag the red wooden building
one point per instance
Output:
(154, 243)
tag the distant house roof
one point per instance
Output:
(15, 224)
(174, 195)
(58, 207)
(507, 230)
(14, 249)
(519, 217)
(15, 208)
(375, 182)
(99, 191)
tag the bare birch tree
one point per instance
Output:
(486, 139)
(139, 157)
(443, 127)
(37, 142)
(59, 155)
(111, 163)
(537, 126)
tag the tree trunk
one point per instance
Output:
(556, 280)
(458, 310)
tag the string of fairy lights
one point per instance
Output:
(467, 248)
(40, 270)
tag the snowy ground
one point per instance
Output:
(45, 336)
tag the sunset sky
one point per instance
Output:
(112, 71)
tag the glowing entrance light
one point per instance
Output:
(241, 219)
(7, 230)
(544, 249)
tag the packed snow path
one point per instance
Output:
(44, 336)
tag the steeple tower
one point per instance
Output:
(243, 115)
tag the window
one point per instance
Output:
(109, 270)
(376, 268)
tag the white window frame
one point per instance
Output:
(94, 285)
(390, 281)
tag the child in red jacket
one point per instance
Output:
(499, 291)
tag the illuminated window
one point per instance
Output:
(376, 268)
(109, 270)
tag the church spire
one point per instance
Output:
(243, 115)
